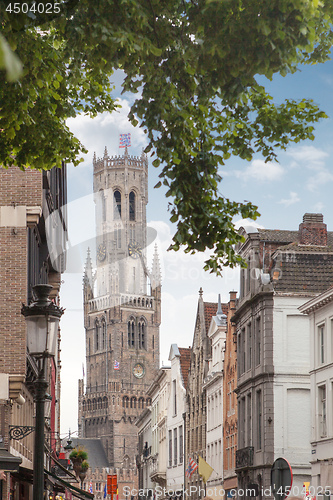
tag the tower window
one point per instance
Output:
(142, 335)
(130, 333)
(97, 339)
(103, 334)
(132, 206)
(117, 205)
(103, 205)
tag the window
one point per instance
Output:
(175, 447)
(321, 341)
(259, 420)
(130, 333)
(103, 334)
(249, 420)
(132, 206)
(174, 391)
(258, 342)
(103, 206)
(142, 334)
(322, 411)
(181, 444)
(228, 452)
(97, 339)
(117, 205)
(249, 347)
(170, 448)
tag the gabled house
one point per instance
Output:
(213, 386)
(196, 409)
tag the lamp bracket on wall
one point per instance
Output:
(18, 432)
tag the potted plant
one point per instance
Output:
(78, 457)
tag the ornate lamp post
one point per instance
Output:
(42, 318)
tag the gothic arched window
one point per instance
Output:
(125, 402)
(141, 403)
(142, 334)
(132, 206)
(133, 402)
(130, 333)
(103, 205)
(103, 333)
(97, 336)
(117, 205)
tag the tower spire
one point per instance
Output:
(219, 306)
(156, 277)
(88, 277)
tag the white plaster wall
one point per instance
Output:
(292, 402)
(175, 473)
(321, 374)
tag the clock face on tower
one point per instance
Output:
(101, 252)
(134, 250)
(138, 370)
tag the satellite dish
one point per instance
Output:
(265, 278)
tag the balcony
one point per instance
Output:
(244, 457)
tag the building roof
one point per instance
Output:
(185, 361)
(278, 235)
(96, 454)
(210, 309)
(304, 272)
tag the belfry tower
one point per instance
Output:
(122, 310)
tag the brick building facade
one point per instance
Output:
(27, 201)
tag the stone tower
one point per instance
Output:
(122, 310)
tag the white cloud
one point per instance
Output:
(313, 159)
(247, 223)
(320, 178)
(258, 171)
(308, 156)
(293, 198)
(103, 130)
(318, 207)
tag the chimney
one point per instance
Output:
(313, 231)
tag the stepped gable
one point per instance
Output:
(185, 361)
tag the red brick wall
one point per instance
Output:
(16, 188)
(20, 187)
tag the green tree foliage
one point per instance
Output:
(193, 65)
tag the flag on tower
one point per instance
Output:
(192, 466)
(124, 140)
(116, 365)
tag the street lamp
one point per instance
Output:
(42, 318)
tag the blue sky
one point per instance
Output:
(301, 182)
